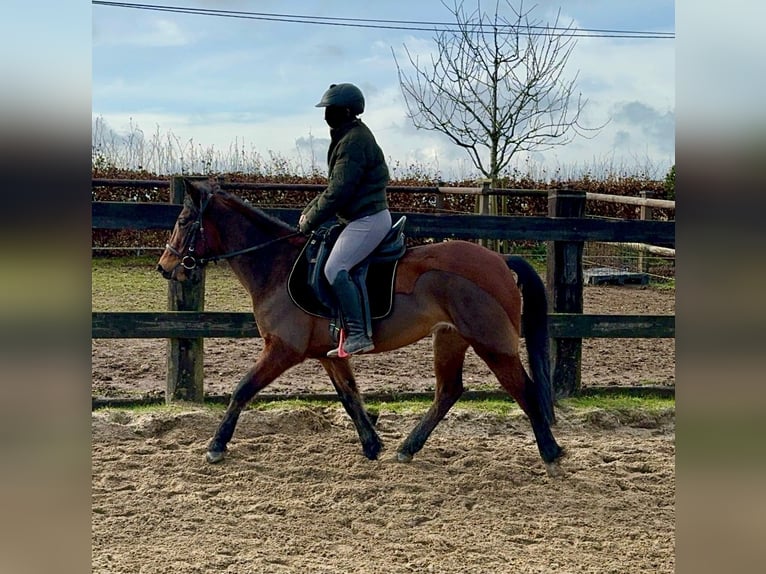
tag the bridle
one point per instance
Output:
(186, 254)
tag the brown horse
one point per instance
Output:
(463, 294)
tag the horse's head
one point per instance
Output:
(189, 244)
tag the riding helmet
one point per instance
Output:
(344, 96)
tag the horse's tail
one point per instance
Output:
(534, 323)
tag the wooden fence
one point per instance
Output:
(565, 230)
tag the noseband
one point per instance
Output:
(187, 261)
(186, 253)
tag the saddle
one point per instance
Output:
(308, 286)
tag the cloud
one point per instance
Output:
(622, 139)
(312, 143)
(313, 150)
(657, 127)
(157, 33)
(226, 85)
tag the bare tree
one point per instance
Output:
(496, 86)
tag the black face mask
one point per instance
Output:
(336, 116)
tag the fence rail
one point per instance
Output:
(639, 201)
(565, 230)
(193, 324)
(159, 216)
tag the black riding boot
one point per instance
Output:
(350, 301)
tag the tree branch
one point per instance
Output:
(495, 86)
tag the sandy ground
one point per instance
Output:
(296, 495)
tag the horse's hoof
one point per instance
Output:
(214, 456)
(372, 452)
(554, 470)
(403, 457)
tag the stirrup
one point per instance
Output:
(341, 352)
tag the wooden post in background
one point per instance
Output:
(646, 214)
(439, 197)
(185, 356)
(484, 208)
(565, 284)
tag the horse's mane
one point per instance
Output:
(253, 213)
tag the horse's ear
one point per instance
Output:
(196, 190)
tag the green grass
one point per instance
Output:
(618, 403)
(500, 407)
(409, 406)
(133, 284)
(665, 285)
(177, 408)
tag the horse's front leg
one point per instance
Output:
(342, 378)
(274, 360)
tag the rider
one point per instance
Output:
(355, 195)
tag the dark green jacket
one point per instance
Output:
(357, 178)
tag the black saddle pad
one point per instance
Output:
(380, 288)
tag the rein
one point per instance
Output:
(189, 261)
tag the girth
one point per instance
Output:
(309, 289)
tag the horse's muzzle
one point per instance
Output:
(165, 274)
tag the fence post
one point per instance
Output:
(439, 197)
(565, 283)
(185, 356)
(646, 214)
(483, 207)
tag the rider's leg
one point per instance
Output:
(357, 240)
(351, 307)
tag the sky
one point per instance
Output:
(198, 82)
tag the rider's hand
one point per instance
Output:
(303, 224)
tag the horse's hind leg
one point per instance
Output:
(449, 356)
(549, 449)
(274, 360)
(510, 372)
(342, 378)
